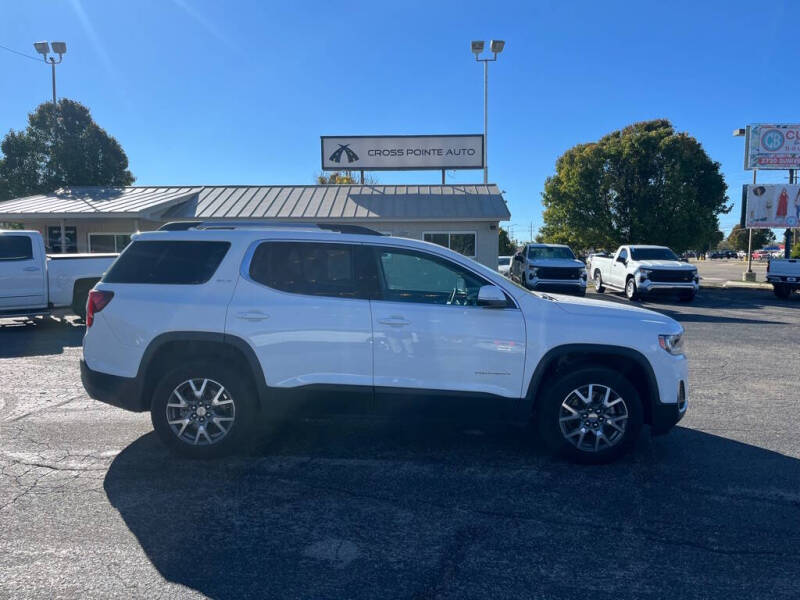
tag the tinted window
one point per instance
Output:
(554, 252)
(167, 262)
(15, 247)
(623, 255)
(408, 276)
(503, 261)
(314, 269)
(653, 254)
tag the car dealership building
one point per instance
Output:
(97, 219)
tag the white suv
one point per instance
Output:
(214, 328)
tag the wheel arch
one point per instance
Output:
(165, 350)
(631, 363)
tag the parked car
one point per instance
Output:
(762, 254)
(784, 275)
(214, 328)
(741, 255)
(549, 267)
(713, 255)
(644, 270)
(33, 283)
(503, 264)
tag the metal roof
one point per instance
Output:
(88, 202)
(302, 202)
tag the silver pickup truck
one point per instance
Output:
(33, 283)
(549, 267)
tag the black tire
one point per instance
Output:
(238, 388)
(631, 292)
(549, 410)
(687, 297)
(598, 282)
(782, 291)
(79, 296)
(581, 293)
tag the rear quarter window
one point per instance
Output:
(172, 262)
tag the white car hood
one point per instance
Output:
(556, 262)
(665, 264)
(602, 309)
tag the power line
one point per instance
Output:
(20, 53)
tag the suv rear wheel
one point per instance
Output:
(593, 415)
(203, 409)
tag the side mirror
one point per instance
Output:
(518, 258)
(622, 260)
(491, 296)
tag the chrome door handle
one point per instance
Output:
(394, 322)
(253, 315)
(31, 269)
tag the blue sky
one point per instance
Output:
(203, 92)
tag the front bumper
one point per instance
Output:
(122, 392)
(784, 279)
(646, 286)
(666, 416)
(569, 286)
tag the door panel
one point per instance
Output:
(22, 276)
(430, 334)
(302, 338)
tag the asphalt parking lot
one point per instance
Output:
(91, 505)
(717, 271)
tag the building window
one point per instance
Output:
(54, 239)
(463, 243)
(108, 242)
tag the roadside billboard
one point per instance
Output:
(772, 146)
(771, 206)
(401, 152)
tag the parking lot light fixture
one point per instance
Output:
(59, 48)
(496, 47)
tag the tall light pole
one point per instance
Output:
(59, 48)
(496, 46)
(747, 275)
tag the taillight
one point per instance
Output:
(97, 301)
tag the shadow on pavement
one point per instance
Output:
(38, 337)
(358, 510)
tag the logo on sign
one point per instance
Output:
(343, 149)
(772, 140)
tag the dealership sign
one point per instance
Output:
(772, 147)
(775, 205)
(401, 152)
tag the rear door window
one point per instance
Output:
(315, 269)
(15, 247)
(172, 262)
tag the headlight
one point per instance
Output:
(583, 274)
(645, 273)
(695, 275)
(672, 343)
(534, 271)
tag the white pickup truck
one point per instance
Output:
(784, 275)
(643, 270)
(33, 283)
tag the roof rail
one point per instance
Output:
(178, 225)
(222, 224)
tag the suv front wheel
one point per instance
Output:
(593, 415)
(203, 409)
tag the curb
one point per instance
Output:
(742, 285)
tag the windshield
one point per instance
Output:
(653, 254)
(503, 261)
(549, 252)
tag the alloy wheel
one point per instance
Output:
(200, 411)
(593, 417)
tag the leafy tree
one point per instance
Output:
(738, 238)
(61, 147)
(507, 248)
(344, 178)
(642, 184)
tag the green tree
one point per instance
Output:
(507, 248)
(642, 184)
(61, 147)
(738, 238)
(344, 178)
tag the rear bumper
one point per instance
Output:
(785, 280)
(122, 392)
